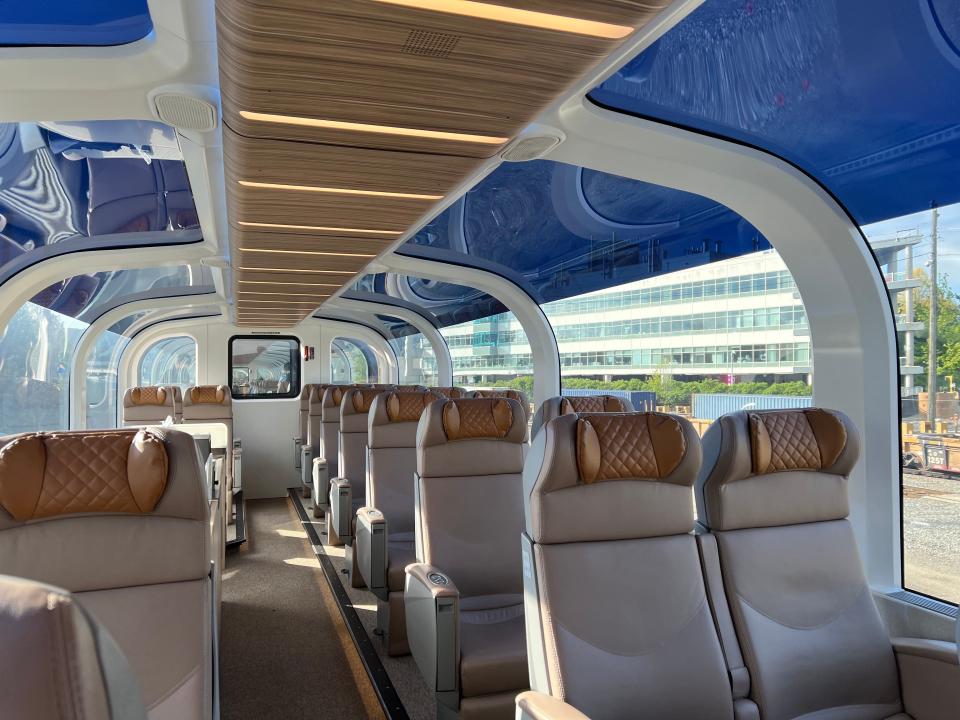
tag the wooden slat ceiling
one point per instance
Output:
(345, 122)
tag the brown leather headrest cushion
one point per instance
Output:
(408, 406)
(148, 396)
(807, 439)
(477, 418)
(451, 393)
(48, 474)
(628, 446)
(407, 388)
(208, 394)
(592, 404)
(363, 398)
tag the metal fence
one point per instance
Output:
(710, 407)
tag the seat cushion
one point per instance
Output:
(400, 553)
(493, 651)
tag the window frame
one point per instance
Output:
(295, 374)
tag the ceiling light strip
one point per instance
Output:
(298, 270)
(283, 294)
(281, 282)
(337, 191)
(307, 252)
(368, 128)
(515, 16)
(322, 228)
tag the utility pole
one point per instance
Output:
(932, 333)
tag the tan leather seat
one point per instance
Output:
(451, 393)
(213, 403)
(464, 602)
(57, 662)
(348, 490)
(384, 543)
(150, 404)
(773, 490)
(517, 395)
(303, 413)
(311, 433)
(330, 425)
(566, 405)
(120, 519)
(617, 612)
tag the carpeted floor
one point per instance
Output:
(284, 650)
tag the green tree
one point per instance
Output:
(948, 323)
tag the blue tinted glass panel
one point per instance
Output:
(558, 230)
(447, 302)
(58, 189)
(861, 94)
(73, 22)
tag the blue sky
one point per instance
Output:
(948, 252)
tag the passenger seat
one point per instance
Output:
(300, 439)
(312, 446)
(617, 617)
(57, 662)
(150, 405)
(464, 601)
(213, 404)
(330, 401)
(773, 490)
(384, 544)
(517, 395)
(450, 393)
(567, 405)
(120, 518)
(348, 487)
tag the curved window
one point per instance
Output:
(352, 361)
(418, 363)
(491, 352)
(68, 22)
(103, 364)
(36, 350)
(170, 361)
(62, 185)
(824, 84)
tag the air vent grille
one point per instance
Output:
(925, 602)
(430, 44)
(186, 112)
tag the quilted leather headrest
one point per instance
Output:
(777, 467)
(629, 446)
(49, 474)
(407, 406)
(361, 399)
(611, 476)
(333, 395)
(149, 396)
(451, 393)
(481, 418)
(593, 404)
(207, 395)
(408, 388)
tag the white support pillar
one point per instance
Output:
(78, 364)
(418, 321)
(543, 343)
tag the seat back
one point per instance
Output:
(615, 601)
(313, 437)
(567, 405)
(407, 388)
(304, 411)
(127, 512)
(330, 426)
(149, 404)
(451, 393)
(354, 412)
(392, 456)
(773, 490)
(469, 500)
(211, 403)
(57, 661)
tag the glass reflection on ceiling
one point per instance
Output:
(68, 182)
(557, 230)
(74, 23)
(862, 94)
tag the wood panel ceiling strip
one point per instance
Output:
(303, 241)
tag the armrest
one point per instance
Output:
(370, 548)
(341, 508)
(321, 483)
(537, 706)
(432, 606)
(929, 677)
(297, 447)
(237, 467)
(306, 466)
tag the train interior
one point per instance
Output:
(480, 359)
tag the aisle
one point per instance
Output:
(284, 651)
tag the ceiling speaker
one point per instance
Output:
(530, 148)
(185, 112)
